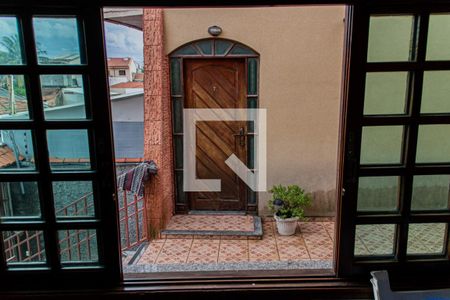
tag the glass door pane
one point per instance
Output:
(386, 93)
(438, 41)
(378, 193)
(431, 192)
(11, 45)
(390, 38)
(57, 40)
(433, 144)
(381, 145)
(426, 238)
(396, 173)
(436, 92)
(374, 240)
(57, 187)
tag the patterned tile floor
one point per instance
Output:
(310, 248)
(211, 223)
(312, 241)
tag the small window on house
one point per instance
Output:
(122, 72)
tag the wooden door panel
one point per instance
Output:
(217, 83)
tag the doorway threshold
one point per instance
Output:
(214, 225)
(217, 212)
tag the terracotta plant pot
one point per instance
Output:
(286, 226)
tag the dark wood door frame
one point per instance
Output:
(211, 49)
(53, 272)
(399, 264)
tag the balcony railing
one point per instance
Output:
(77, 245)
(19, 247)
(133, 220)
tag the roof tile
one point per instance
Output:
(119, 62)
(7, 157)
(128, 85)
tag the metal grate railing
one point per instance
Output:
(133, 220)
(77, 245)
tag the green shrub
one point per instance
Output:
(289, 201)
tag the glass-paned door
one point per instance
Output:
(395, 208)
(57, 210)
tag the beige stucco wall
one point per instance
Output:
(300, 79)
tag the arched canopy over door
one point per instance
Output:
(215, 73)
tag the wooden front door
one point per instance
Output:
(218, 83)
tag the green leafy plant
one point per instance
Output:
(289, 201)
(13, 49)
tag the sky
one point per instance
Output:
(122, 41)
(59, 37)
(56, 36)
(8, 27)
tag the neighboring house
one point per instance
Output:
(127, 87)
(67, 148)
(15, 147)
(128, 130)
(127, 108)
(121, 69)
(7, 157)
(61, 80)
(57, 98)
(67, 145)
(139, 77)
(128, 125)
(67, 59)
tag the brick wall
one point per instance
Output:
(159, 193)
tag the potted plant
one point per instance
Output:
(287, 205)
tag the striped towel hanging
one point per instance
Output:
(133, 179)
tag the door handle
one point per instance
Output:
(241, 136)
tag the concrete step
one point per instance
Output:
(214, 225)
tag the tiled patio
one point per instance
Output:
(310, 248)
